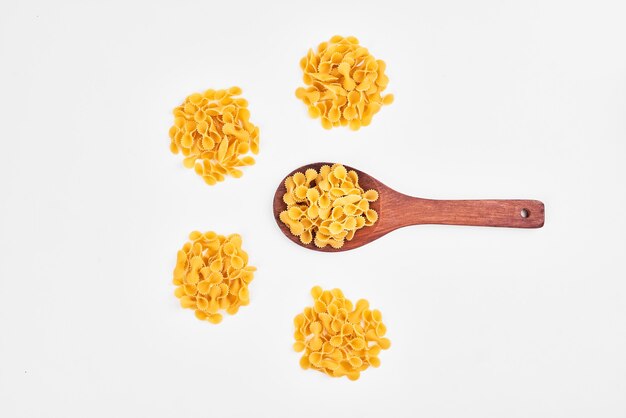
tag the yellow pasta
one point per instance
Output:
(212, 275)
(327, 207)
(338, 337)
(344, 83)
(213, 132)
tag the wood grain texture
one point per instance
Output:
(397, 210)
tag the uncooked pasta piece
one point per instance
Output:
(344, 83)
(338, 337)
(213, 132)
(212, 274)
(327, 207)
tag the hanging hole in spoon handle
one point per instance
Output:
(500, 213)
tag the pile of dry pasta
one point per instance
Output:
(344, 83)
(337, 337)
(212, 274)
(327, 207)
(213, 131)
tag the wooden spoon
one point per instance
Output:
(396, 210)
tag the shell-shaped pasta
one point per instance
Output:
(364, 205)
(214, 129)
(331, 335)
(306, 222)
(336, 192)
(215, 318)
(203, 287)
(349, 223)
(313, 194)
(229, 249)
(237, 262)
(358, 344)
(216, 265)
(324, 201)
(295, 213)
(340, 172)
(296, 228)
(315, 358)
(188, 301)
(304, 362)
(316, 292)
(179, 292)
(285, 218)
(298, 179)
(326, 207)
(370, 195)
(202, 303)
(371, 215)
(377, 316)
(300, 193)
(336, 341)
(381, 330)
(247, 160)
(306, 237)
(289, 199)
(337, 213)
(244, 295)
(350, 209)
(216, 274)
(315, 327)
(319, 306)
(335, 228)
(310, 175)
(342, 78)
(312, 212)
(351, 198)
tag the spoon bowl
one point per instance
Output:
(396, 210)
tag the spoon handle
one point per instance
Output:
(502, 213)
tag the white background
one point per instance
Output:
(493, 100)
